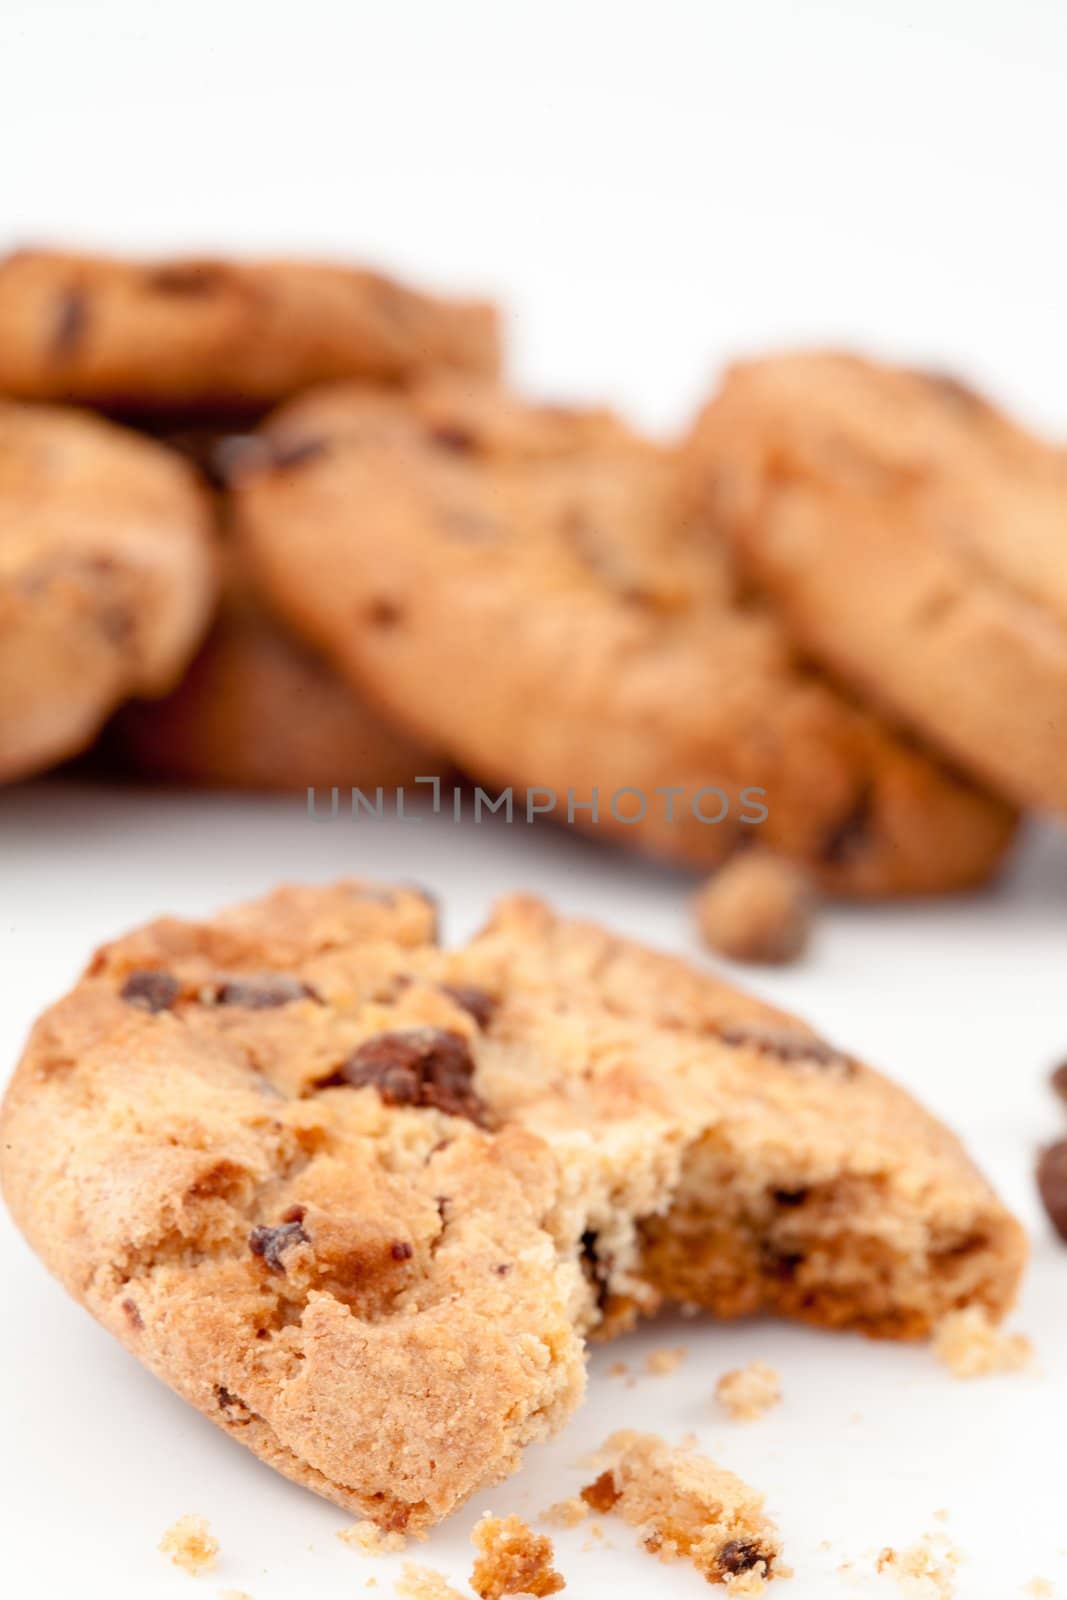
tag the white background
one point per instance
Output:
(652, 188)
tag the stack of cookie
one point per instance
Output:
(833, 618)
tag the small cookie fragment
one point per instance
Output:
(513, 1560)
(972, 1346)
(425, 1583)
(687, 1508)
(191, 1545)
(661, 1363)
(747, 1392)
(923, 1571)
(1052, 1185)
(758, 908)
(370, 1540)
(565, 1513)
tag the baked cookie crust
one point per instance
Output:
(360, 1199)
(522, 585)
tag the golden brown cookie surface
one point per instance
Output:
(358, 1198)
(107, 578)
(520, 584)
(914, 540)
(216, 334)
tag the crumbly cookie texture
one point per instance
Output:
(512, 1560)
(259, 709)
(212, 335)
(757, 908)
(107, 578)
(425, 1583)
(687, 1508)
(912, 539)
(661, 1363)
(416, 538)
(925, 1571)
(370, 1540)
(747, 1392)
(972, 1346)
(566, 1513)
(191, 1545)
(305, 1163)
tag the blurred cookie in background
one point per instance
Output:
(523, 586)
(914, 541)
(215, 334)
(107, 578)
(258, 709)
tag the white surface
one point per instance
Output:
(653, 188)
(963, 1001)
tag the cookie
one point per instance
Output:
(259, 709)
(520, 585)
(107, 578)
(217, 334)
(360, 1198)
(914, 541)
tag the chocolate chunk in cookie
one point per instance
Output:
(418, 1067)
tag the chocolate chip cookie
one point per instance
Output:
(914, 540)
(215, 334)
(107, 578)
(259, 709)
(360, 1198)
(522, 585)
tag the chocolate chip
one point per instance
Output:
(150, 990)
(384, 613)
(400, 1250)
(739, 1555)
(1052, 1185)
(451, 436)
(271, 1243)
(786, 1046)
(790, 1197)
(71, 322)
(133, 1315)
(186, 278)
(1058, 1080)
(848, 840)
(602, 1494)
(296, 452)
(262, 993)
(476, 1002)
(430, 1067)
(503, 1269)
(225, 1398)
(596, 1270)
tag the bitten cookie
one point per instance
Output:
(359, 1198)
(259, 709)
(107, 578)
(216, 334)
(520, 584)
(914, 540)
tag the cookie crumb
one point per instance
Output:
(921, 1571)
(370, 1540)
(747, 1392)
(425, 1583)
(661, 1363)
(513, 1560)
(191, 1545)
(618, 1369)
(687, 1508)
(970, 1345)
(565, 1513)
(757, 908)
